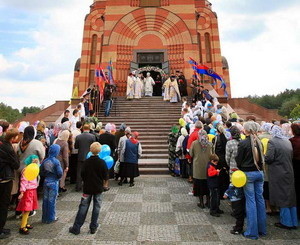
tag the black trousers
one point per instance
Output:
(214, 200)
(183, 168)
(238, 212)
(5, 192)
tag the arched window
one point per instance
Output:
(93, 49)
(208, 48)
(200, 48)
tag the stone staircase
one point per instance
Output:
(152, 118)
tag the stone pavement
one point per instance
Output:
(157, 210)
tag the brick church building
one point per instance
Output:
(157, 33)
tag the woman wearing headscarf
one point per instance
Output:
(232, 147)
(63, 157)
(250, 160)
(26, 147)
(40, 133)
(181, 155)
(219, 147)
(281, 178)
(131, 153)
(296, 160)
(265, 136)
(172, 140)
(200, 151)
(120, 133)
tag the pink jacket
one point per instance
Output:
(27, 185)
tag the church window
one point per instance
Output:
(208, 48)
(93, 49)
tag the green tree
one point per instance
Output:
(287, 107)
(295, 113)
(31, 109)
(8, 113)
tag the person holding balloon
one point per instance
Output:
(28, 192)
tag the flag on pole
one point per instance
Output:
(100, 79)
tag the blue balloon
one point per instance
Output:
(89, 155)
(109, 161)
(105, 151)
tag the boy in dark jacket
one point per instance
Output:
(52, 171)
(236, 197)
(94, 173)
(213, 185)
(8, 163)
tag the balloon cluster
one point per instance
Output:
(104, 154)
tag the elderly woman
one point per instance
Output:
(63, 157)
(232, 147)
(200, 151)
(172, 141)
(281, 178)
(131, 152)
(296, 160)
(180, 153)
(250, 159)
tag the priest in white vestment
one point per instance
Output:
(130, 86)
(149, 82)
(138, 87)
(166, 87)
(174, 91)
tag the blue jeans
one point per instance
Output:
(83, 209)
(255, 205)
(288, 217)
(49, 200)
(108, 105)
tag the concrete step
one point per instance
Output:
(154, 156)
(153, 171)
(155, 151)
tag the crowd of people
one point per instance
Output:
(172, 87)
(61, 152)
(210, 144)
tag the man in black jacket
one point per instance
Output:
(94, 175)
(82, 143)
(8, 163)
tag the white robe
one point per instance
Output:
(149, 82)
(130, 87)
(166, 87)
(174, 92)
(138, 88)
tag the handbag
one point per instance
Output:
(117, 167)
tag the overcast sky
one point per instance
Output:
(41, 40)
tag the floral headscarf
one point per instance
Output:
(175, 129)
(276, 132)
(203, 139)
(266, 127)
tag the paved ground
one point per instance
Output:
(157, 210)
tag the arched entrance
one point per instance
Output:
(156, 73)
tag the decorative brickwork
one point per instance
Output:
(180, 29)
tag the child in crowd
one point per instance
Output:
(52, 171)
(236, 197)
(213, 185)
(94, 175)
(28, 196)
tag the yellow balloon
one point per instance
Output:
(31, 171)
(243, 136)
(238, 178)
(265, 142)
(211, 137)
(182, 123)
